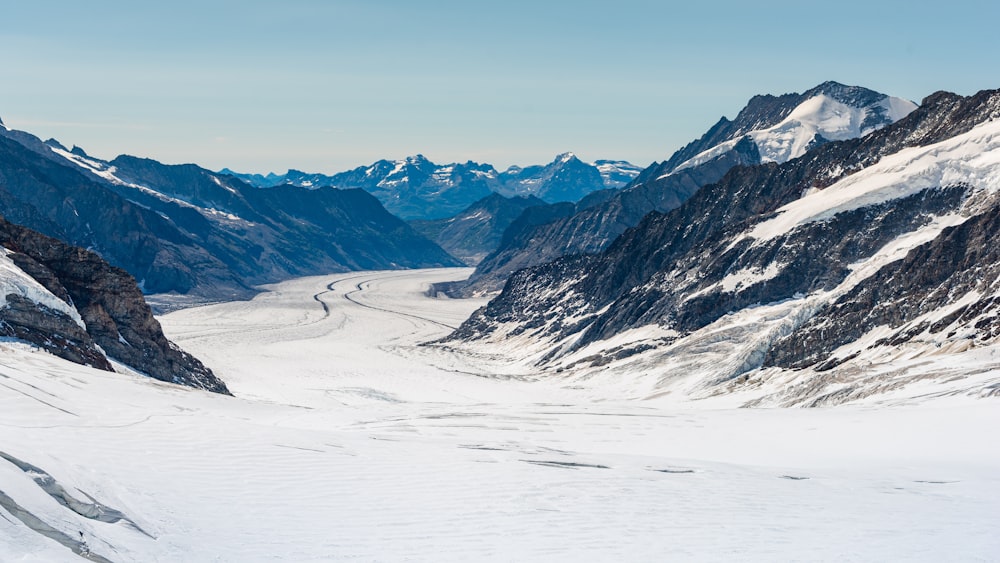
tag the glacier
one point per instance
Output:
(349, 439)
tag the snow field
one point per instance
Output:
(347, 441)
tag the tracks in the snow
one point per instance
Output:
(359, 288)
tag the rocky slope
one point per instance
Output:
(828, 264)
(476, 231)
(768, 129)
(183, 229)
(71, 303)
(417, 189)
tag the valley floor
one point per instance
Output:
(347, 441)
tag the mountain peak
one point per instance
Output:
(565, 157)
(56, 144)
(855, 96)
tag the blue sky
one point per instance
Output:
(329, 85)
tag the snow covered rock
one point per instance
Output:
(71, 303)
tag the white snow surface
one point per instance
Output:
(348, 441)
(821, 114)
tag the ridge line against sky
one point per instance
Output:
(326, 86)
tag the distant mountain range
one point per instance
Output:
(184, 229)
(416, 188)
(768, 129)
(833, 271)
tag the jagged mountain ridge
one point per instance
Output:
(184, 229)
(812, 265)
(417, 189)
(71, 303)
(769, 128)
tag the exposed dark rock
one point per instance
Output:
(110, 303)
(587, 229)
(61, 201)
(50, 330)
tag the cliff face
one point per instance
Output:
(94, 312)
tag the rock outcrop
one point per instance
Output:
(116, 322)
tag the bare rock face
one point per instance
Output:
(117, 318)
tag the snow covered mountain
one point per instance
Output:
(792, 124)
(864, 266)
(768, 129)
(184, 229)
(566, 178)
(416, 188)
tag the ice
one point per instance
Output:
(348, 440)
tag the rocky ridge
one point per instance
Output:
(477, 230)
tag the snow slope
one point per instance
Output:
(348, 441)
